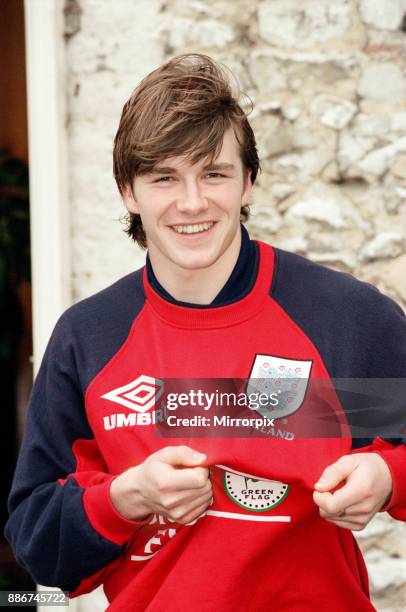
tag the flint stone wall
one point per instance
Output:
(327, 78)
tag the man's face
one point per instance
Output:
(191, 213)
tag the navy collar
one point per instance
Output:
(239, 283)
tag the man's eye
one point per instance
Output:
(164, 179)
(215, 175)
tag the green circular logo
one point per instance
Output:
(253, 493)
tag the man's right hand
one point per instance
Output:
(169, 482)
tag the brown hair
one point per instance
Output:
(184, 107)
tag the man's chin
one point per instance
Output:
(195, 265)
(194, 261)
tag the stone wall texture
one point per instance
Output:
(328, 83)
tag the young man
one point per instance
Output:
(214, 522)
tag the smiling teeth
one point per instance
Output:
(192, 229)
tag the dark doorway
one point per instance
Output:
(15, 285)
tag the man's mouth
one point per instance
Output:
(194, 228)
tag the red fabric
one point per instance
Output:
(395, 458)
(92, 474)
(276, 556)
(104, 516)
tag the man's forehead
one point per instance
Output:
(169, 165)
(226, 158)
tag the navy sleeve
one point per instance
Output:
(50, 529)
(361, 337)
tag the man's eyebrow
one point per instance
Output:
(170, 170)
(162, 170)
(218, 166)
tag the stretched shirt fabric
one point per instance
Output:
(262, 544)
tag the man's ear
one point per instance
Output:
(129, 200)
(246, 194)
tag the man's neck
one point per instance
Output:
(198, 286)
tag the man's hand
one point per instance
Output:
(367, 488)
(169, 482)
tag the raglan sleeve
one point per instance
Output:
(387, 365)
(62, 526)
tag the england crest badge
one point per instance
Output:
(283, 381)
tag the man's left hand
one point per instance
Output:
(366, 486)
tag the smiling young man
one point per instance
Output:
(191, 216)
(103, 494)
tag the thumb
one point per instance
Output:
(336, 473)
(180, 455)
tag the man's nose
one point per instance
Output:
(192, 200)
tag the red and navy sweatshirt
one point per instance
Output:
(262, 544)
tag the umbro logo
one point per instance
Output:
(139, 395)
